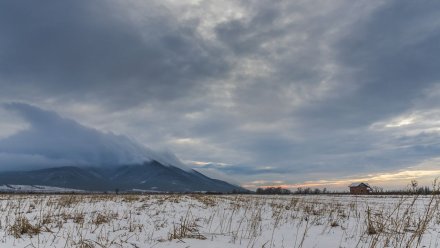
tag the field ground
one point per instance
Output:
(218, 221)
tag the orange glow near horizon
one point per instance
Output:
(398, 179)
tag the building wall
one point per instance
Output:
(359, 190)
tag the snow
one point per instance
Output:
(35, 189)
(224, 221)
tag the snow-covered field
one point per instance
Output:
(218, 221)
(11, 188)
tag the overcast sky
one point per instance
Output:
(289, 93)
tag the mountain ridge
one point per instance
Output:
(149, 176)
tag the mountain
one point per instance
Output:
(42, 154)
(149, 176)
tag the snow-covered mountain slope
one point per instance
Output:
(60, 152)
(153, 176)
(11, 188)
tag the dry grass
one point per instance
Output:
(244, 220)
(186, 228)
(22, 226)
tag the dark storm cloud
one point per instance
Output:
(391, 57)
(279, 88)
(384, 57)
(90, 49)
(385, 61)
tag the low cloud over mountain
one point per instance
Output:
(52, 140)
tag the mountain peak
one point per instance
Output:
(147, 176)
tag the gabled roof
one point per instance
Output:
(359, 185)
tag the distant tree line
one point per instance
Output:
(307, 191)
(283, 191)
(273, 191)
(412, 189)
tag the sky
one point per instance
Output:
(284, 93)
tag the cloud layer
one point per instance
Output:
(52, 140)
(280, 91)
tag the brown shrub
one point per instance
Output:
(23, 226)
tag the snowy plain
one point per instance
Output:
(12, 188)
(77, 220)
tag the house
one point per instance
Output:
(359, 188)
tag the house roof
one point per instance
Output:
(359, 184)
